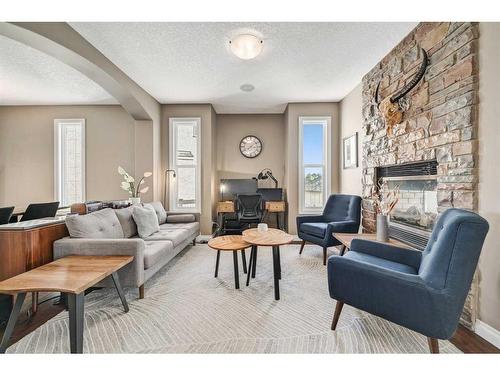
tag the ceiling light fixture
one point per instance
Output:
(246, 46)
(247, 87)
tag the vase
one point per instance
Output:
(382, 228)
(135, 200)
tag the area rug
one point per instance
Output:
(187, 310)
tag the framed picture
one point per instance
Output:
(350, 151)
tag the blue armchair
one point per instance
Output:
(423, 291)
(342, 214)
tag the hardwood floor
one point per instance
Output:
(465, 340)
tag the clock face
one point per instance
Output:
(250, 146)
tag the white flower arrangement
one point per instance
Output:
(129, 183)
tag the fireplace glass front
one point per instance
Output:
(417, 204)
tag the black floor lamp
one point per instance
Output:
(167, 182)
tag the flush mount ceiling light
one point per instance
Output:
(247, 87)
(246, 46)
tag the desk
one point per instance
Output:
(346, 239)
(271, 207)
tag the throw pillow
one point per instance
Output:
(146, 220)
(160, 211)
(127, 222)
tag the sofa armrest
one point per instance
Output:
(393, 253)
(181, 218)
(134, 274)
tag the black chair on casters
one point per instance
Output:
(249, 209)
(5, 214)
(40, 210)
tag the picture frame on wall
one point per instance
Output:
(350, 151)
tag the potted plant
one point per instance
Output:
(129, 185)
(384, 201)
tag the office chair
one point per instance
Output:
(5, 214)
(249, 208)
(40, 211)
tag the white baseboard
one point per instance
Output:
(487, 332)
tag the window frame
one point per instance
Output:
(58, 160)
(173, 182)
(326, 164)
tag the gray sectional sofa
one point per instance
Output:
(114, 232)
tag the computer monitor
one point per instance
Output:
(231, 187)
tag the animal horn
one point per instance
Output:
(416, 79)
(376, 98)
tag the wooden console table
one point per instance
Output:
(71, 275)
(28, 244)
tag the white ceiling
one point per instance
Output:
(30, 77)
(191, 63)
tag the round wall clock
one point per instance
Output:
(250, 146)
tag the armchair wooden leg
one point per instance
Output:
(336, 314)
(141, 292)
(433, 345)
(302, 246)
(324, 256)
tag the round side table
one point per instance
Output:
(274, 238)
(234, 244)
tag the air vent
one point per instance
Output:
(426, 168)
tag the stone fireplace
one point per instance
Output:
(438, 128)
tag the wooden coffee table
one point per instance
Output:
(71, 276)
(346, 238)
(274, 238)
(232, 243)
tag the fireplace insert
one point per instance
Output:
(413, 217)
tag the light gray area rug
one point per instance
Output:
(187, 310)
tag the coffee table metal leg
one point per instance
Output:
(250, 265)
(342, 250)
(254, 266)
(217, 263)
(12, 322)
(76, 302)
(116, 281)
(279, 261)
(236, 271)
(244, 260)
(276, 273)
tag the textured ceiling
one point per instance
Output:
(191, 62)
(30, 77)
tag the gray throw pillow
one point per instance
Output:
(98, 224)
(146, 220)
(127, 221)
(160, 211)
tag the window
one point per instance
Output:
(69, 158)
(314, 163)
(185, 149)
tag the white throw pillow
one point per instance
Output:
(146, 220)
(160, 211)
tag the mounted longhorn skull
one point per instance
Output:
(393, 107)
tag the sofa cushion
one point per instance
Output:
(146, 220)
(177, 236)
(160, 211)
(155, 251)
(127, 221)
(315, 229)
(380, 262)
(99, 224)
(181, 218)
(192, 228)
